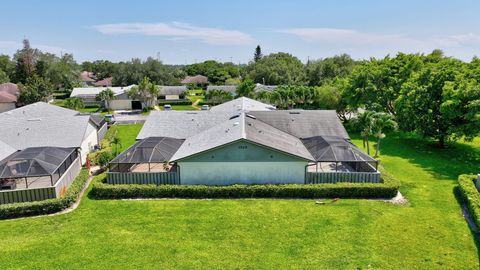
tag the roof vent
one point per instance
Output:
(233, 117)
(236, 123)
(294, 112)
(34, 119)
(251, 116)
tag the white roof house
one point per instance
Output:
(242, 104)
(42, 124)
(92, 92)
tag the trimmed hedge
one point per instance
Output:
(387, 189)
(15, 210)
(470, 195)
(162, 102)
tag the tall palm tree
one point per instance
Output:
(106, 96)
(382, 122)
(364, 122)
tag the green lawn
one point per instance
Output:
(430, 233)
(126, 133)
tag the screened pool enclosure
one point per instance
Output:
(36, 167)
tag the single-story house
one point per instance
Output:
(198, 80)
(172, 92)
(121, 102)
(8, 96)
(87, 78)
(222, 147)
(242, 104)
(260, 88)
(42, 148)
(107, 82)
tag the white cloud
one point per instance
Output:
(366, 44)
(179, 31)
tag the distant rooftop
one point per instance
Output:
(243, 104)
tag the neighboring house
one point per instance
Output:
(223, 147)
(260, 88)
(41, 124)
(107, 82)
(42, 148)
(197, 80)
(9, 94)
(87, 78)
(242, 104)
(232, 89)
(172, 92)
(121, 102)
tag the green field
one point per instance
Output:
(429, 233)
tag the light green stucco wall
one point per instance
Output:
(242, 163)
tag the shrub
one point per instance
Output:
(470, 195)
(104, 157)
(387, 189)
(174, 102)
(14, 210)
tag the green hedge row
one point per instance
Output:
(14, 210)
(162, 102)
(470, 195)
(387, 189)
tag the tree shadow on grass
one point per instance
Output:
(444, 163)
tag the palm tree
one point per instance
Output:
(74, 103)
(364, 122)
(106, 96)
(116, 140)
(382, 122)
(146, 92)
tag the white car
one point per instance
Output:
(205, 107)
(167, 107)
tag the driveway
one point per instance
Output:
(129, 117)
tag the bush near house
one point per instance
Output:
(175, 102)
(387, 189)
(15, 210)
(470, 195)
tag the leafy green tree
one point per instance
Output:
(217, 73)
(146, 92)
(322, 71)
(218, 96)
(117, 142)
(382, 122)
(74, 103)
(7, 66)
(4, 77)
(442, 101)
(35, 89)
(26, 61)
(106, 96)
(277, 69)
(246, 89)
(258, 54)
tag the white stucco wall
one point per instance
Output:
(90, 139)
(172, 97)
(121, 104)
(4, 106)
(227, 173)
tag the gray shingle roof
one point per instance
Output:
(238, 128)
(172, 90)
(42, 124)
(150, 150)
(179, 124)
(242, 104)
(304, 123)
(226, 88)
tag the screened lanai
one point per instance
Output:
(335, 154)
(148, 155)
(36, 167)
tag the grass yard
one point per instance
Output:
(126, 134)
(430, 233)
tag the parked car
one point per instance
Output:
(110, 118)
(205, 107)
(167, 107)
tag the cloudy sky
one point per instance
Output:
(182, 31)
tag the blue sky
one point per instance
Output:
(192, 31)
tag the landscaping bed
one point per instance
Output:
(14, 210)
(387, 189)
